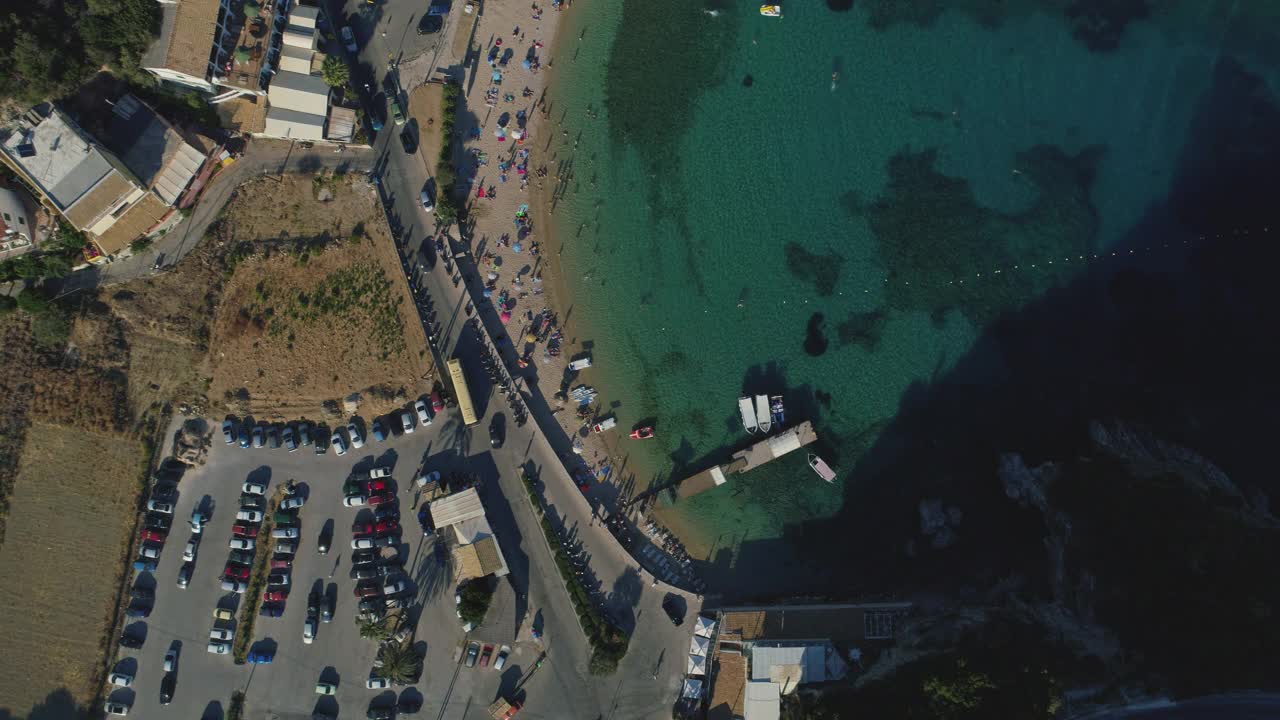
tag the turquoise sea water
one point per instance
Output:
(734, 223)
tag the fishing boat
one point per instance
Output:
(820, 466)
(605, 424)
(762, 414)
(643, 433)
(774, 11)
(748, 412)
(580, 364)
(776, 410)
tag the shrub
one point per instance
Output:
(476, 596)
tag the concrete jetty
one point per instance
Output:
(764, 451)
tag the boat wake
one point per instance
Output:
(712, 13)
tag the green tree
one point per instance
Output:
(335, 71)
(474, 604)
(446, 213)
(67, 239)
(400, 663)
(956, 693)
(140, 244)
(54, 266)
(7, 304)
(373, 629)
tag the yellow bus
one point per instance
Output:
(461, 393)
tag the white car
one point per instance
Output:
(357, 441)
(424, 414)
(379, 472)
(428, 478)
(324, 688)
(292, 502)
(377, 683)
(222, 634)
(284, 533)
(219, 648)
(394, 587)
(249, 515)
(160, 506)
(189, 552)
(241, 543)
(286, 547)
(254, 488)
(223, 614)
(121, 679)
(309, 630)
(339, 443)
(170, 659)
(501, 661)
(406, 421)
(151, 552)
(115, 708)
(362, 544)
(355, 500)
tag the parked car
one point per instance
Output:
(406, 421)
(437, 404)
(281, 564)
(254, 487)
(273, 437)
(138, 609)
(439, 7)
(241, 557)
(142, 593)
(219, 648)
(355, 500)
(349, 40)
(222, 634)
(144, 565)
(386, 526)
(115, 708)
(171, 659)
(364, 557)
(248, 501)
(428, 202)
(375, 486)
(395, 587)
(189, 552)
(224, 614)
(327, 608)
(261, 657)
(274, 596)
(235, 586)
(241, 543)
(377, 683)
(379, 472)
(495, 432)
(473, 652)
(287, 533)
(121, 679)
(428, 478)
(278, 578)
(236, 572)
(409, 705)
(243, 530)
(157, 521)
(361, 543)
(271, 610)
(424, 416)
(501, 661)
(198, 519)
(325, 539)
(304, 434)
(286, 547)
(384, 541)
(149, 551)
(424, 519)
(309, 630)
(326, 688)
(364, 572)
(292, 502)
(290, 443)
(243, 436)
(253, 516)
(133, 642)
(160, 506)
(339, 444)
(379, 430)
(153, 536)
(284, 518)
(380, 712)
(361, 529)
(386, 511)
(259, 436)
(321, 435)
(229, 432)
(485, 655)
(367, 590)
(357, 440)
(430, 24)
(383, 497)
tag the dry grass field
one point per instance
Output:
(70, 519)
(320, 314)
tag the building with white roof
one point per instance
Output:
(476, 552)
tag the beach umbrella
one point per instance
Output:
(497, 76)
(516, 247)
(517, 134)
(505, 317)
(525, 64)
(480, 192)
(500, 133)
(493, 276)
(531, 338)
(488, 293)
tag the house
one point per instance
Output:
(222, 47)
(84, 181)
(153, 150)
(17, 229)
(476, 552)
(299, 97)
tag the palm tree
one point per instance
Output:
(400, 664)
(373, 629)
(335, 72)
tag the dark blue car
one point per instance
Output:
(261, 657)
(272, 610)
(439, 8)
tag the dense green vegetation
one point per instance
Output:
(446, 183)
(53, 46)
(54, 259)
(474, 604)
(335, 71)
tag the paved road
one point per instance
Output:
(1238, 706)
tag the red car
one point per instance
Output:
(380, 498)
(273, 596)
(584, 486)
(436, 403)
(283, 564)
(365, 590)
(386, 526)
(154, 536)
(485, 655)
(244, 531)
(236, 572)
(376, 486)
(362, 529)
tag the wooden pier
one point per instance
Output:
(766, 450)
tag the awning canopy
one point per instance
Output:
(697, 665)
(698, 645)
(704, 627)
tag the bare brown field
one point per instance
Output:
(71, 514)
(318, 316)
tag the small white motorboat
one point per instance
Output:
(820, 466)
(763, 419)
(605, 424)
(748, 412)
(580, 364)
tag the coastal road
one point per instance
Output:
(648, 680)
(1235, 706)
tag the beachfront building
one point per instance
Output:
(758, 654)
(476, 552)
(220, 47)
(299, 98)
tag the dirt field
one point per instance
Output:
(71, 513)
(425, 105)
(318, 310)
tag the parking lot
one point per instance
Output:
(183, 617)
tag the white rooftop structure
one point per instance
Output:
(298, 100)
(692, 689)
(295, 59)
(789, 665)
(704, 627)
(762, 701)
(698, 645)
(697, 665)
(457, 507)
(58, 159)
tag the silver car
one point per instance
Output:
(406, 421)
(357, 441)
(339, 443)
